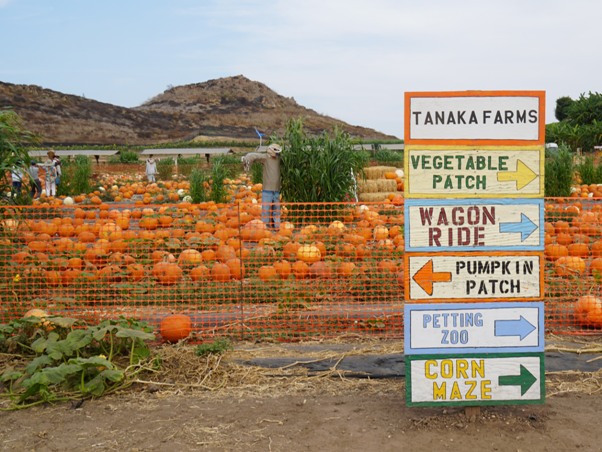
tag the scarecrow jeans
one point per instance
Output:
(270, 208)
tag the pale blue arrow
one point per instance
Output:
(525, 226)
(521, 327)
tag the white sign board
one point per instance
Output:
(474, 379)
(475, 224)
(474, 276)
(473, 328)
(475, 116)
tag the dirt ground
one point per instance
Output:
(225, 404)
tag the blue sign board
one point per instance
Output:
(496, 327)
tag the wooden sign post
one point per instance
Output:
(474, 248)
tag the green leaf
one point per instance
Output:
(96, 386)
(11, 375)
(102, 332)
(114, 375)
(38, 363)
(78, 339)
(32, 390)
(135, 334)
(93, 361)
(63, 322)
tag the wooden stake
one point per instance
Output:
(471, 412)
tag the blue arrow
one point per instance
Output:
(525, 226)
(521, 327)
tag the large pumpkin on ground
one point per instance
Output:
(175, 327)
(588, 311)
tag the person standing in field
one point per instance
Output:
(16, 175)
(151, 169)
(270, 194)
(34, 174)
(50, 175)
(57, 166)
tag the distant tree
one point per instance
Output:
(13, 139)
(586, 110)
(580, 122)
(562, 106)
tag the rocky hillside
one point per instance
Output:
(227, 108)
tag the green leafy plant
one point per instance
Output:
(76, 177)
(165, 168)
(218, 347)
(220, 171)
(318, 168)
(198, 192)
(256, 173)
(391, 157)
(66, 361)
(13, 139)
(587, 171)
(126, 156)
(559, 173)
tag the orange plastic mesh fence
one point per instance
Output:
(324, 271)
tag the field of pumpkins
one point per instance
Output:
(146, 251)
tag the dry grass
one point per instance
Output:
(182, 370)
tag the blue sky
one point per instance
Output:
(349, 59)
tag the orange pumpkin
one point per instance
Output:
(380, 232)
(588, 311)
(237, 268)
(220, 272)
(175, 327)
(300, 269)
(555, 251)
(283, 268)
(569, 266)
(190, 258)
(345, 269)
(267, 272)
(135, 272)
(167, 273)
(198, 273)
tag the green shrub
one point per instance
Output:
(559, 173)
(318, 168)
(218, 347)
(386, 156)
(220, 171)
(76, 176)
(587, 171)
(256, 173)
(128, 157)
(198, 193)
(165, 168)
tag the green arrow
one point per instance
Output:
(525, 380)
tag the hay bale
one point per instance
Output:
(372, 197)
(386, 185)
(378, 172)
(367, 186)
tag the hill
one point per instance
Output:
(228, 108)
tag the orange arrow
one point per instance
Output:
(425, 277)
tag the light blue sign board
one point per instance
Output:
(474, 224)
(499, 327)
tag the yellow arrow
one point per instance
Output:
(523, 175)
